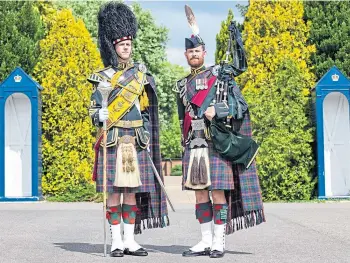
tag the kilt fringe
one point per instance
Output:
(250, 219)
(241, 185)
(153, 222)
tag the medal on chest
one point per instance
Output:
(201, 84)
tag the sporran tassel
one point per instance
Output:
(198, 173)
(203, 174)
(195, 171)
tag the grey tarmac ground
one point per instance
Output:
(72, 232)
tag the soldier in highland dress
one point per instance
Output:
(132, 133)
(209, 98)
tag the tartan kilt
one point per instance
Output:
(221, 173)
(145, 166)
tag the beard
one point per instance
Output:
(195, 62)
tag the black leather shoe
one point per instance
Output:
(190, 253)
(216, 254)
(117, 253)
(141, 252)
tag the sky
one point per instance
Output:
(209, 15)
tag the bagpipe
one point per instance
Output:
(228, 142)
(228, 100)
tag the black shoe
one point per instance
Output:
(216, 254)
(190, 253)
(141, 252)
(117, 253)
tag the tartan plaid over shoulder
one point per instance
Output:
(153, 212)
(245, 201)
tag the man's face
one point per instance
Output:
(123, 49)
(195, 56)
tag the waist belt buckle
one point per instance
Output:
(127, 124)
(127, 139)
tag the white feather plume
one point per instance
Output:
(195, 29)
(191, 20)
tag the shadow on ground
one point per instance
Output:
(97, 249)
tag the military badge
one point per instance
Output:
(201, 84)
(142, 68)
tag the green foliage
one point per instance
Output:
(222, 39)
(276, 87)
(165, 81)
(20, 31)
(285, 157)
(170, 138)
(67, 57)
(47, 11)
(243, 9)
(81, 193)
(150, 43)
(330, 32)
(85, 10)
(170, 134)
(176, 170)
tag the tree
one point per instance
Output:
(222, 39)
(67, 57)
(170, 133)
(47, 11)
(170, 138)
(86, 10)
(21, 29)
(166, 81)
(243, 9)
(276, 87)
(330, 32)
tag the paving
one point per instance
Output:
(72, 232)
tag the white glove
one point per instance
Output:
(103, 114)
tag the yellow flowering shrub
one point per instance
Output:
(277, 85)
(68, 56)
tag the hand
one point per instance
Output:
(210, 113)
(221, 110)
(103, 114)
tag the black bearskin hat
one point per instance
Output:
(116, 22)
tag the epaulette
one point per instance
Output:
(214, 70)
(107, 73)
(183, 81)
(180, 86)
(95, 78)
(141, 67)
(103, 75)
